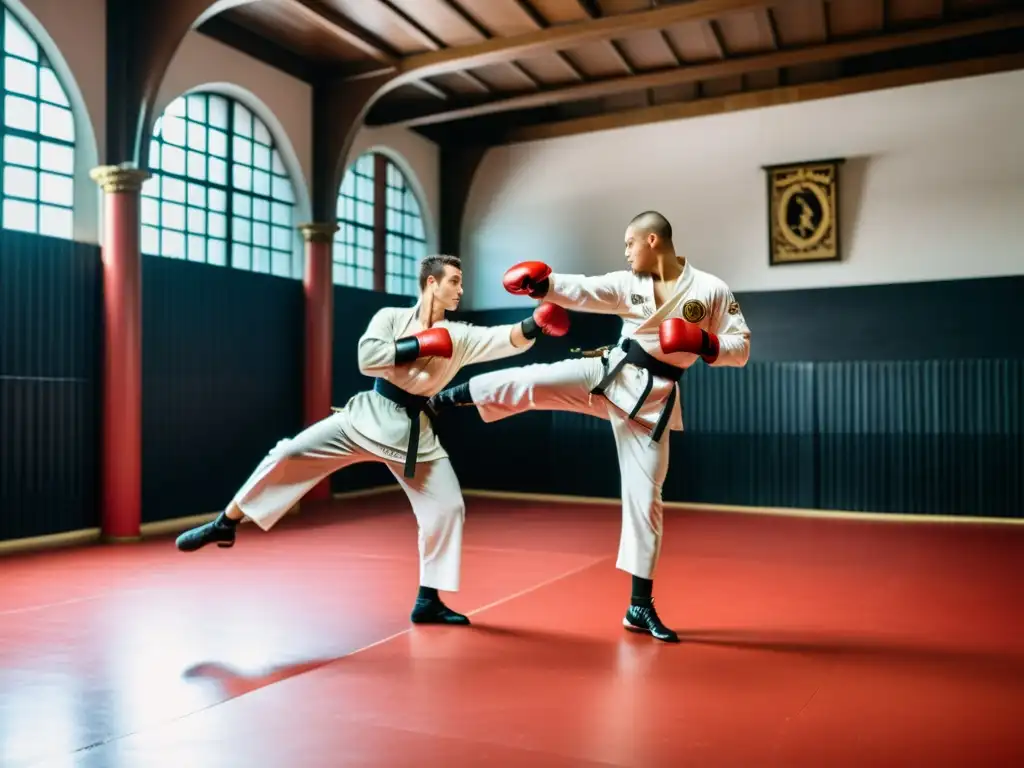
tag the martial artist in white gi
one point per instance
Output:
(673, 314)
(412, 353)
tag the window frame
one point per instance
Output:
(383, 274)
(39, 136)
(228, 187)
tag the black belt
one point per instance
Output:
(639, 357)
(414, 405)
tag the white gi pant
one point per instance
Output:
(643, 464)
(295, 465)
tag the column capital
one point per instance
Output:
(119, 178)
(318, 232)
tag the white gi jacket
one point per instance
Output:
(700, 298)
(380, 425)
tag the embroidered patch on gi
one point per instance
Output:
(734, 307)
(694, 311)
(636, 298)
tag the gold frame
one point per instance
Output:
(819, 178)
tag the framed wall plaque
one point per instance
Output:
(803, 212)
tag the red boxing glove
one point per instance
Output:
(528, 278)
(546, 318)
(677, 335)
(433, 342)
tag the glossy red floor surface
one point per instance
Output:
(807, 643)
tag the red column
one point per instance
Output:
(319, 287)
(121, 456)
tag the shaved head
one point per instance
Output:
(653, 223)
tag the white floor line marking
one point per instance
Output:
(546, 583)
(70, 601)
(507, 598)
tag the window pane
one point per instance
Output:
(20, 76)
(172, 244)
(243, 121)
(55, 222)
(56, 122)
(216, 252)
(56, 189)
(218, 143)
(21, 182)
(20, 215)
(19, 151)
(51, 89)
(150, 211)
(151, 240)
(196, 107)
(20, 113)
(218, 200)
(196, 136)
(218, 107)
(17, 40)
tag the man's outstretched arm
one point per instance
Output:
(602, 294)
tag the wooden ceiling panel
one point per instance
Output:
(744, 33)
(695, 42)
(647, 50)
(505, 77)
(375, 17)
(597, 60)
(855, 17)
(460, 83)
(905, 11)
(550, 70)
(801, 22)
(560, 11)
(441, 20)
(276, 20)
(502, 18)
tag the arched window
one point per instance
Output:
(219, 192)
(381, 237)
(38, 133)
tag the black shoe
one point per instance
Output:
(214, 532)
(643, 618)
(433, 611)
(449, 398)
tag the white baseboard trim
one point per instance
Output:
(821, 514)
(164, 527)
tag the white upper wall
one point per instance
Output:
(932, 189)
(76, 33)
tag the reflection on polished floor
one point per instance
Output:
(806, 642)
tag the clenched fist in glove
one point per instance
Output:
(433, 342)
(546, 318)
(678, 335)
(529, 278)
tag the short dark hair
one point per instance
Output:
(652, 221)
(435, 264)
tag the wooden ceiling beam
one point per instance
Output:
(733, 67)
(557, 38)
(768, 98)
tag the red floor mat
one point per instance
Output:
(806, 643)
